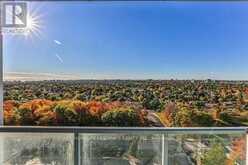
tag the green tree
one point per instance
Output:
(183, 117)
(66, 115)
(203, 119)
(121, 117)
(216, 155)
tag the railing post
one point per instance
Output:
(1, 92)
(165, 149)
(246, 148)
(76, 149)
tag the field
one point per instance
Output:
(169, 103)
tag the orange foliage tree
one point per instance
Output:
(65, 112)
(237, 151)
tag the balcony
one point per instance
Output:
(122, 146)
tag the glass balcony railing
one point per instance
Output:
(122, 146)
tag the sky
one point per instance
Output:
(131, 40)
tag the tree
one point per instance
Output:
(121, 117)
(237, 153)
(203, 119)
(66, 115)
(216, 155)
(183, 117)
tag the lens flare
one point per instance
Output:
(33, 28)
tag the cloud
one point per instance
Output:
(60, 59)
(23, 76)
(57, 42)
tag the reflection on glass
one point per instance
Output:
(37, 148)
(162, 149)
(121, 149)
(130, 148)
(206, 149)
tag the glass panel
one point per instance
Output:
(185, 148)
(181, 148)
(121, 149)
(37, 148)
(206, 149)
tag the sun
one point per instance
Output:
(33, 27)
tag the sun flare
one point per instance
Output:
(33, 27)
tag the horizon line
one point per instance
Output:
(110, 79)
(32, 76)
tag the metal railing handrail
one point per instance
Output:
(172, 130)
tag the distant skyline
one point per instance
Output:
(131, 40)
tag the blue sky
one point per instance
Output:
(132, 40)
